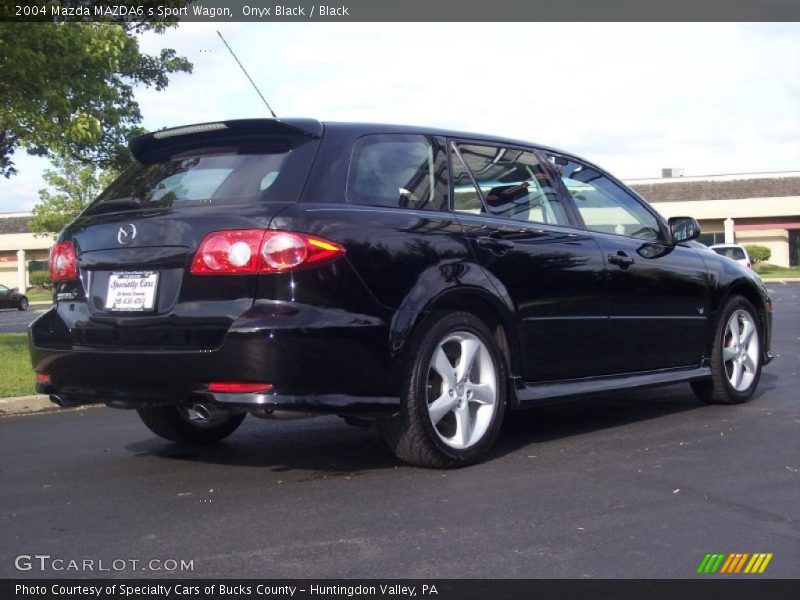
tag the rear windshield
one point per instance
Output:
(268, 172)
(734, 253)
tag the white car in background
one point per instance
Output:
(735, 252)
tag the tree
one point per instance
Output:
(758, 253)
(66, 89)
(75, 184)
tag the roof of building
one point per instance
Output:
(14, 224)
(718, 187)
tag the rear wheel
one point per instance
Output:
(735, 356)
(455, 395)
(23, 304)
(179, 423)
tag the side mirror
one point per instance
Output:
(684, 229)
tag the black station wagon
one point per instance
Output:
(423, 281)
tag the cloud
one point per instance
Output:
(21, 192)
(633, 97)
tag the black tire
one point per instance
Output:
(718, 389)
(23, 304)
(411, 434)
(167, 422)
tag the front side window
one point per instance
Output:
(604, 205)
(513, 184)
(400, 171)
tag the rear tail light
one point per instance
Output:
(261, 251)
(228, 252)
(63, 262)
(42, 378)
(238, 387)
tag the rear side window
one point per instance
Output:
(513, 184)
(270, 169)
(400, 171)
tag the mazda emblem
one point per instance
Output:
(126, 234)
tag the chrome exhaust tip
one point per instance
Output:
(62, 402)
(202, 412)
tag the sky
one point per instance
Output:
(631, 97)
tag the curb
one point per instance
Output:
(780, 279)
(31, 405)
(25, 404)
(37, 404)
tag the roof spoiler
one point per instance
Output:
(154, 146)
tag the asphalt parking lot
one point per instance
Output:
(16, 321)
(638, 484)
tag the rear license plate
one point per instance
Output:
(132, 291)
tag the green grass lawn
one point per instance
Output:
(38, 295)
(768, 270)
(16, 373)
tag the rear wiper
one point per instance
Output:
(115, 204)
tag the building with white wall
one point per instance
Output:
(20, 250)
(743, 208)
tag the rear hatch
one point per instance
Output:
(135, 244)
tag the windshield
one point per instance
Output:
(211, 176)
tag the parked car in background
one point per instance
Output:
(11, 298)
(735, 252)
(423, 281)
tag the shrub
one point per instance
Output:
(40, 279)
(758, 253)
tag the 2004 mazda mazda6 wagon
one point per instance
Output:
(421, 280)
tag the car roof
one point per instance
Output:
(367, 128)
(726, 246)
(359, 128)
(315, 129)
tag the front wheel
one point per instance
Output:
(455, 395)
(735, 356)
(23, 304)
(187, 425)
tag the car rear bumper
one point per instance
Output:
(315, 359)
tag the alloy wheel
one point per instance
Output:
(462, 390)
(740, 350)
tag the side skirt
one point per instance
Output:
(530, 394)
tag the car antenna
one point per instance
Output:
(246, 74)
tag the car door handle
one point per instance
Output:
(495, 244)
(620, 259)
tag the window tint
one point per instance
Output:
(604, 205)
(270, 168)
(406, 171)
(513, 184)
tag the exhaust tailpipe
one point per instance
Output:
(63, 402)
(203, 412)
